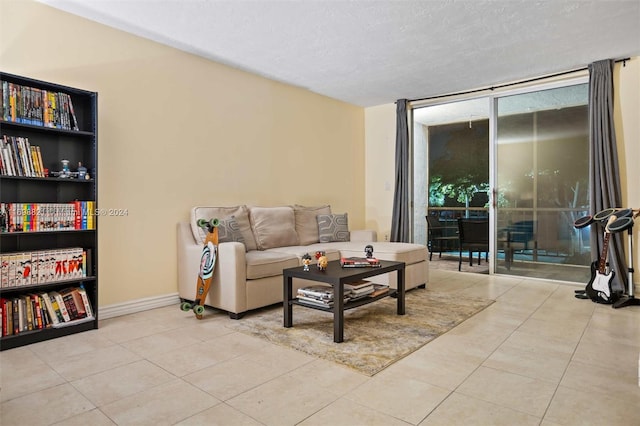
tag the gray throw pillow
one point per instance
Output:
(333, 227)
(228, 231)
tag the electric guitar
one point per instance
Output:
(599, 287)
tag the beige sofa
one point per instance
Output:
(257, 243)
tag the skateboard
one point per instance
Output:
(207, 266)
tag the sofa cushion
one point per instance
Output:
(307, 223)
(333, 227)
(262, 264)
(273, 227)
(408, 253)
(240, 214)
(332, 253)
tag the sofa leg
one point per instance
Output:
(422, 286)
(235, 316)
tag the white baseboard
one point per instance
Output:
(133, 306)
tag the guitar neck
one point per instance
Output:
(605, 247)
(603, 256)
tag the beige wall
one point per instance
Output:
(626, 112)
(380, 122)
(177, 131)
(380, 151)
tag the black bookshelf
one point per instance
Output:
(75, 145)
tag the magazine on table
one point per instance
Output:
(359, 262)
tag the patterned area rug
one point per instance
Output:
(374, 336)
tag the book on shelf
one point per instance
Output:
(361, 292)
(358, 285)
(51, 312)
(75, 311)
(360, 289)
(379, 289)
(318, 291)
(324, 303)
(18, 321)
(61, 305)
(7, 316)
(316, 302)
(29, 312)
(359, 262)
(55, 308)
(85, 299)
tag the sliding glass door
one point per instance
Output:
(520, 159)
(542, 169)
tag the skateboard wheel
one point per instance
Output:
(199, 309)
(209, 224)
(185, 306)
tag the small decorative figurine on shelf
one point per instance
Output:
(306, 261)
(65, 172)
(368, 251)
(82, 171)
(322, 260)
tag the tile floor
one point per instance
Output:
(537, 356)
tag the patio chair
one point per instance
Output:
(440, 237)
(474, 237)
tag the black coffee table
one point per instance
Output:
(338, 276)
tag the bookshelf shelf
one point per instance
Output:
(38, 128)
(48, 179)
(57, 136)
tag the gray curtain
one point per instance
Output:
(400, 224)
(604, 172)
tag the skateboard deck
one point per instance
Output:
(207, 267)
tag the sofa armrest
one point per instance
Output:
(364, 235)
(228, 288)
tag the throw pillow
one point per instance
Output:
(307, 222)
(273, 227)
(240, 213)
(333, 227)
(228, 231)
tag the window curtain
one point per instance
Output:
(604, 172)
(400, 224)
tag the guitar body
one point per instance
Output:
(599, 288)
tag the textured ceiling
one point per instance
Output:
(374, 52)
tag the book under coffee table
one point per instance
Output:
(337, 277)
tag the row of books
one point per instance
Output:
(39, 107)
(19, 158)
(37, 311)
(42, 266)
(322, 295)
(360, 262)
(34, 217)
